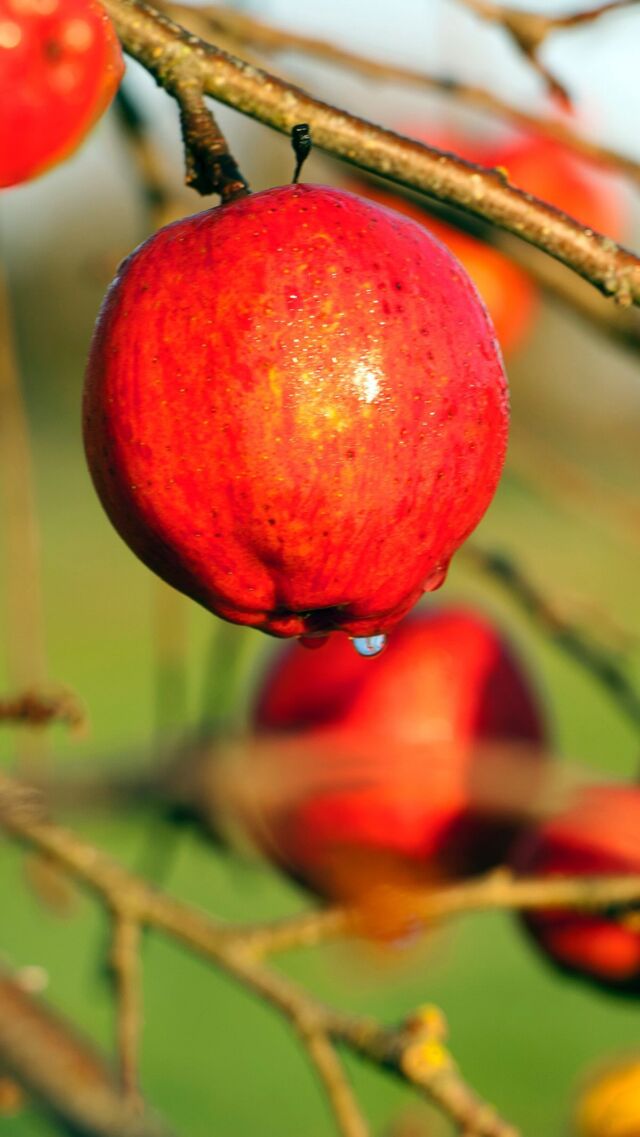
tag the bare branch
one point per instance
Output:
(210, 167)
(162, 46)
(124, 963)
(246, 30)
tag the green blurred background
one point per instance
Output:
(213, 1059)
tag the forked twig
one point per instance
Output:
(529, 30)
(248, 31)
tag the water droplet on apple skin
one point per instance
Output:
(369, 646)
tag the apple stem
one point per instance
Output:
(301, 143)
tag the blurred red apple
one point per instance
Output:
(598, 835)
(60, 66)
(508, 292)
(295, 410)
(447, 675)
(416, 767)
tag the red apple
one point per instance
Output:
(598, 835)
(60, 66)
(295, 410)
(413, 767)
(508, 291)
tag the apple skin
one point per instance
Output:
(295, 410)
(508, 292)
(598, 835)
(388, 777)
(60, 66)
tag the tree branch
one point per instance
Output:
(125, 966)
(210, 168)
(161, 46)
(53, 1062)
(246, 30)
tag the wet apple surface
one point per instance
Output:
(295, 410)
(508, 291)
(60, 66)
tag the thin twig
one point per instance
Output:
(62, 1069)
(349, 1119)
(163, 46)
(125, 965)
(247, 30)
(598, 661)
(496, 891)
(529, 30)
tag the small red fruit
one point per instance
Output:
(295, 410)
(598, 836)
(60, 66)
(395, 774)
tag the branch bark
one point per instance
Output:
(247, 31)
(61, 1069)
